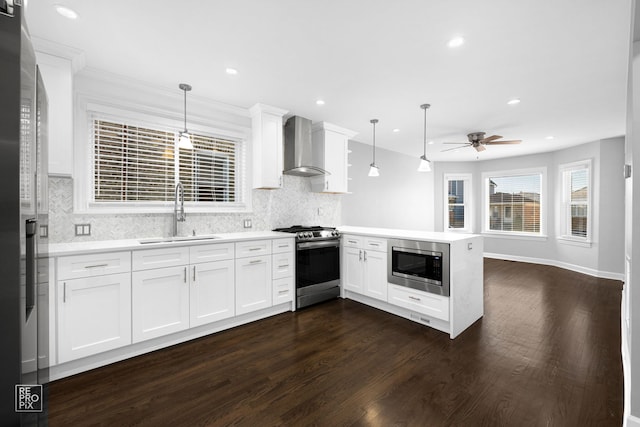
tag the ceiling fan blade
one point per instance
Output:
(479, 148)
(462, 143)
(454, 148)
(489, 139)
(513, 141)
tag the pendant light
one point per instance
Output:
(184, 137)
(373, 169)
(425, 164)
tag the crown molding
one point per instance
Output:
(76, 56)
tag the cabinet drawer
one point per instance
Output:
(215, 252)
(282, 245)
(282, 290)
(158, 258)
(254, 248)
(430, 304)
(283, 265)
(352, 241)
(79, 266)
(375, 244)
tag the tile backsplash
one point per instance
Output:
(295, 203)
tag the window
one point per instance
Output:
(576, 196)
(514, 202)
(457, 214)
(139, 165)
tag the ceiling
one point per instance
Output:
(565, 60)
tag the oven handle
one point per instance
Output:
(322, 244)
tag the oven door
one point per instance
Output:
(317, 264)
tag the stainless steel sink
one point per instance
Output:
(176, 239)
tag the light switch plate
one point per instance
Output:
(247, 223)
(83, 229)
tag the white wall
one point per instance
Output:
(400, 197)
(604, 257)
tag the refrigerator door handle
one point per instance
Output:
(30, 264)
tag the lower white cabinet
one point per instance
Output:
(423, 302)
(93, 315)
(211, 295)
(253, 284)
(365, 271)
(160, 302)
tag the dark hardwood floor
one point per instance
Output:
(546, 353)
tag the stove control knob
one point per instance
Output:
(300, 235)
(308, 234)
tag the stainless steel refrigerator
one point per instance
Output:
(24, 269)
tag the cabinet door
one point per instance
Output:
(266, 127)
(375, 276)
(212, 295)
(353, 269)
(253, 284)
(160, 302)
(283, 265)
(335, 161)
(94, 315)
(283, 290)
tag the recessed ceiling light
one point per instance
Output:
(231, 71)
(548, 137)
(319, 102)
(514, 101)
(430, 142)
(66, 11)
(456, 42)
(396, 130)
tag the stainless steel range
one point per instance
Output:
(317, 263)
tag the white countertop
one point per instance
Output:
(79, 248)
(430, 236)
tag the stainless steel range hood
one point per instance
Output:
(298, 152)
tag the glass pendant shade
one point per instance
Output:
(373, 170)
(425, 165)
(185, 141)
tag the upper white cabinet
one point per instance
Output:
(267, 146)
(330, 152)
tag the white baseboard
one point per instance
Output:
(631, 421)
(555, 263)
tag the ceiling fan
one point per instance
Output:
(478, 141)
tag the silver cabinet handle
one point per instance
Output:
(283, 292)
(185, 275)
(96, 265)
(326, 187)
(283, 246)
(360, 256)
(255, 261)
(254, 249)
(64, 292)
(352, 242)
(365, 256)
(414, 298)
(194, 273)
(373, 244)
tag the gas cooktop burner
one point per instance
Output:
(308, 233)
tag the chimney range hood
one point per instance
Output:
(298, 153)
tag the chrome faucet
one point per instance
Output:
(178, 212)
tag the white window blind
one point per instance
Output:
(576, 195)
(514, 203)
(138, 164)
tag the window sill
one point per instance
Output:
(516, 236)
(566, 240)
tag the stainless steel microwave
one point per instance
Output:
(419, 265)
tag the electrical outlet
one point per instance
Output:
(83, 229)
(320, 211)
(247, 223)
(44, 231)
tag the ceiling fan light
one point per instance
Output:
(185, 141)
(374, 170)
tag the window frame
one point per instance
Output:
(88, 109)
(486, 213)
(564, 174)
(466, 178)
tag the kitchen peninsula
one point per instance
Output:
(367, 265)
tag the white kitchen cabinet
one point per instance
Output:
(283, 290)
(267, 146)
(212, 292)
(160, 302)
(365, 270)
(93, 315)
(330, 152)
(423, 302)
(253, 284)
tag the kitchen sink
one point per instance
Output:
(176, 239)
